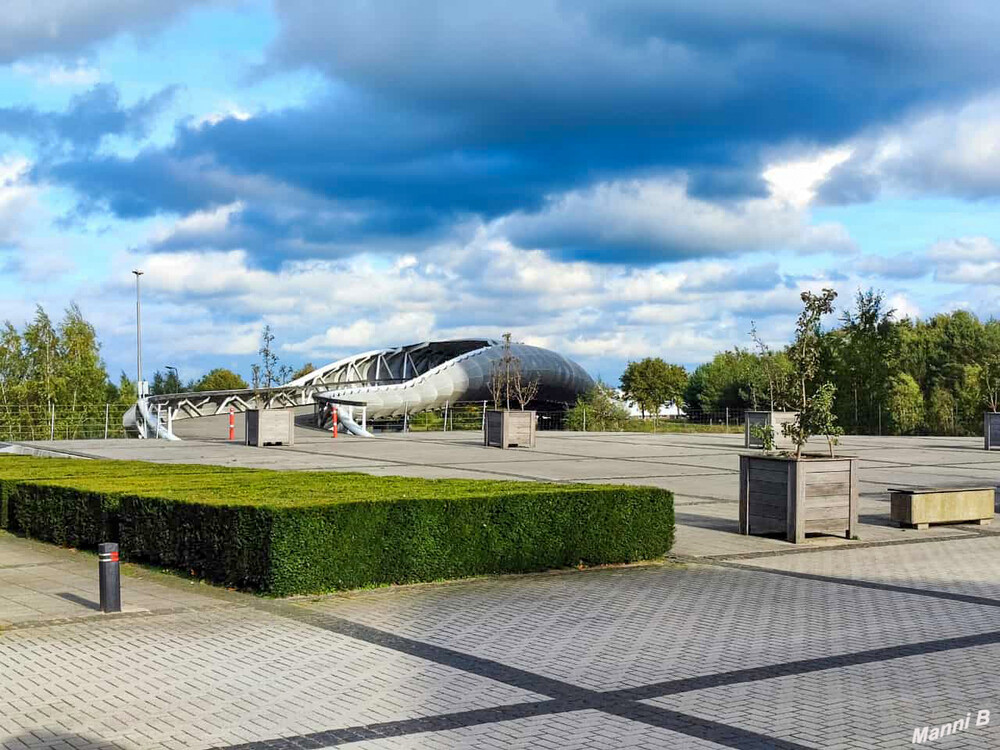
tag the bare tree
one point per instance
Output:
(507, 380)
(496, 384)
(525, 390)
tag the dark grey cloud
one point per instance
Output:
(692, 71)
(753, 278)
(88, 118)
(69, 27)
(445, 110)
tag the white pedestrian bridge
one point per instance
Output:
(384, 383)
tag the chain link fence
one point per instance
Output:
(58, 422)
(104, 421)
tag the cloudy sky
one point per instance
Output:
(610, 180)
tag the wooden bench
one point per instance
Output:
(924, 506)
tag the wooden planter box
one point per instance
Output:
(270, 427)
(941, 505)
(798, 497)
(991, 430)
(510, 429)
(774, 418)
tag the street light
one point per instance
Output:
(138, 337)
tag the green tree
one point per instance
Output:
(79, 368)
(651, 383)
(41, 353)
(597, 410)
(13, 366)
(163, 384)
(125, 393)
(307, 368)
(905, 403)
(868, 354)
(940, 411)
(814, 403)
(220, 379)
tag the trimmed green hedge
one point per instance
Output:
(306, 532)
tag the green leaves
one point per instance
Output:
(304, 532)
(651, 383)
(815, 415)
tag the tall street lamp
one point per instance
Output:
(138, 337)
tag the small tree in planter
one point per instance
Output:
(505, 428)
(791, 492)
(990, 380)
(775, 370)
(815, 415)
(264, 425)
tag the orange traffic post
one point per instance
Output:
(232, 423)
(336, 419)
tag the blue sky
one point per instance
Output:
(608, 180)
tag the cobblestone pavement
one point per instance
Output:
(851, 647)
(739, 642)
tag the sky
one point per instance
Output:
(608, 180)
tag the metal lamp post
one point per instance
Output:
(138, 336)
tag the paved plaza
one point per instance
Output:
(732, 642)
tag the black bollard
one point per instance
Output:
(110, 577)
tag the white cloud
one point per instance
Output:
(952, 151)
(656, 219)
(966, 260)
(59, 74)
(18, 198)
(226, 111)
(904, 307)
(795, 181)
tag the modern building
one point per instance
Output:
(386, 383)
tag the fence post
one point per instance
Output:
(52, 421)
(107, 414)
(444, 427)
(584, 418)
(484, 415)
(727, 417)
(880, 420)
(406, 418)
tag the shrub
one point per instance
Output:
(305, 532)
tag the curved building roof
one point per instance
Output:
(430, 374)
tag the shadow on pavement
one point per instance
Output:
(79, 600)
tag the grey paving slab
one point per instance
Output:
(579, 729)
(202, 677)
(830, 644)
(42, 582)
(618, 628)
(859, 706)
(968, 566)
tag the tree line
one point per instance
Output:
(54, 380)
(888, 374)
